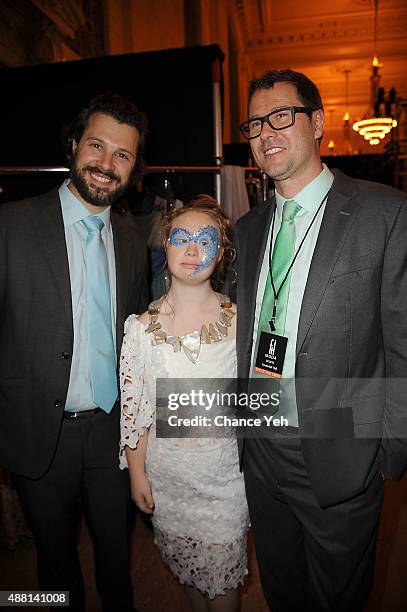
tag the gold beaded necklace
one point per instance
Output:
(191, 343)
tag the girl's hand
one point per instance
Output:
(141, 493)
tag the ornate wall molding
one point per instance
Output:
(41, 31)
(241, 12)
(330, 31)
(68, 16)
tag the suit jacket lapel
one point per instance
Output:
(122, 238)
(51, 233)
(340, 213)
(256, 242)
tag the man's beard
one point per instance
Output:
(97, 196)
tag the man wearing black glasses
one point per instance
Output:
(322, 285)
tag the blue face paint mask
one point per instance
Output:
(207, 239)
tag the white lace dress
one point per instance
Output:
(200, 517)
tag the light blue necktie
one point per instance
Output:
(102, 356)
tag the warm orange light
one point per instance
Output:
(374, 135)
(375, 129)
(346, 116)
(375, 121)
(370, 129)
(331, 144)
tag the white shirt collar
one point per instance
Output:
(73, 210)
(310, 197)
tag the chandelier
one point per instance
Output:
(374, 128)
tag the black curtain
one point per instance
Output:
(173, 87)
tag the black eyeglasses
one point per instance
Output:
(278, 120)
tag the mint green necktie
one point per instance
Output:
(283, 253)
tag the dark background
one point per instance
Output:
(172, 87)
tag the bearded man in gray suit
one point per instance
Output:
(322, 309)
(71, 271)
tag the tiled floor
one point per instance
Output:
(157, 590)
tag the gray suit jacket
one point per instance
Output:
(351, 363)
(36, 329)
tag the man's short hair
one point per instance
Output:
(307, 90)
(119, 108)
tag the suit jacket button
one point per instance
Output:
(65, 355)
(58, 404)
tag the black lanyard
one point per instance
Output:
(277, 293)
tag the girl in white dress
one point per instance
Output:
(191, 486)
